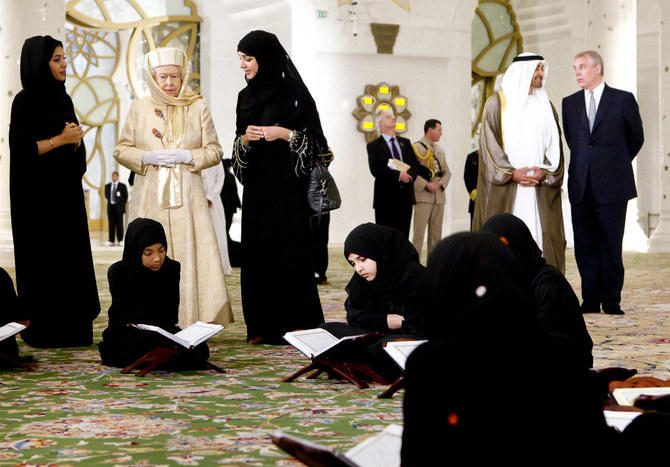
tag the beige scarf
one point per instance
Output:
(169, 178)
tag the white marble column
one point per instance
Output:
(660, 239)
(649, 97)
(19, 20)
(456, 113)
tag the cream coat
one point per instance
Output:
(190, 233)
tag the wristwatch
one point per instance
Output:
(291, 135)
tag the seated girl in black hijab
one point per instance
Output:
(489, 386)
(145, 289)
(384, 293)
(556, 305)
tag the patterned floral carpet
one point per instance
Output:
(73, 411)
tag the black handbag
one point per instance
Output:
(322, 193)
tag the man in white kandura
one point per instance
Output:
(521, 157)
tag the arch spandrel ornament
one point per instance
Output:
(496, 40)
(93, 59)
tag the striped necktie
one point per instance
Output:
(394, 150)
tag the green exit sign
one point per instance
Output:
(321, 13)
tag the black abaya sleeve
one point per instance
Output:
(8, 312)
(157, 305)
(558, 311)
(365, 319)
(122, 311)
(8, 300)
(26, 128)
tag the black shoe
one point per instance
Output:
(587, 308)
(614, 311)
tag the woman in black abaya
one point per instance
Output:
(383, 294)
(489, 386)
(145, 290)
(55, 279)
(278, 136)
(556, 305)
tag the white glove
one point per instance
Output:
(163, 157)
(182, 156)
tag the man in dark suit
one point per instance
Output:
(393, 192)
(470, 174)
(231, 203)
(116, 194)
(229, 197)
(603, 129)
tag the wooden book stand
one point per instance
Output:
(350, 371)
(311, 454)
(400, 382)
(14, 362)
(397, 385)
(337, 364)
(166, 351)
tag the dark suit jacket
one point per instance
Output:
(603, 156)
(120, 200)
(470, 174)
(229, 196)
(388, 188)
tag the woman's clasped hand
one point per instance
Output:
(167, 157)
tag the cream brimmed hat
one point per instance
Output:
(165, 56)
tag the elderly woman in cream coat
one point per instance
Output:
(167, 139)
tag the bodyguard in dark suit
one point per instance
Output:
(603, 129)
(229, 197)
(394, 190)
(470, 174)
(116, 194)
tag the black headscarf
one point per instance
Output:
(36, 74)
(276, 95)
(399, 273)
(519, 239)
(556, 305)
(48, 97)
(476, 290)
(482, 328)
(141, 234)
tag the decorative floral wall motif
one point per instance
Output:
(380, 97)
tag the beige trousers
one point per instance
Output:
(431, 215)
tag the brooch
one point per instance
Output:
(158, 135)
